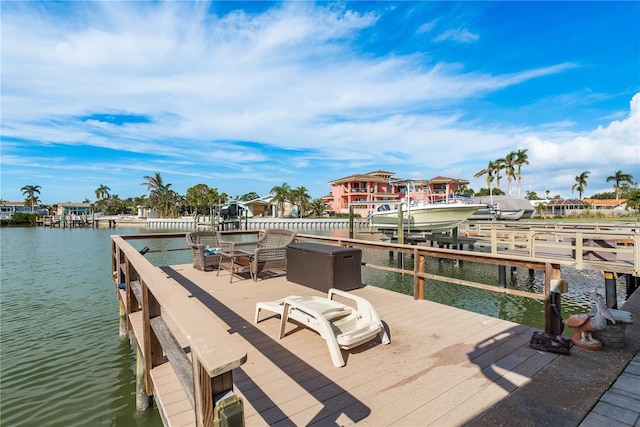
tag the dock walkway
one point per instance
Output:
(444, 366)
(620, 405)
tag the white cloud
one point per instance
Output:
(427, 26)
(460, 35)
(603, 151)
(288, 78)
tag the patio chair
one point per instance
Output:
(269, 252)
(204, 245)
(340, 325)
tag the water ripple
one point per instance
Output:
(63, 363)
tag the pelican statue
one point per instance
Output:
(584, 324)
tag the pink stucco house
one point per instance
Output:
(365, 191)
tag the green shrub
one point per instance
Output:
(24, 218)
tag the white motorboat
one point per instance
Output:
(430, 214)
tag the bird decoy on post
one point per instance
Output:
(584, 324)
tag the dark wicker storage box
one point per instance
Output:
(323, 267)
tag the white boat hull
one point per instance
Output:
(504, 208)
(511, 215)
(497, 214)
(433, 218)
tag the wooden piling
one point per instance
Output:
(552, 322)
(143, 399)
(400, 235)
(502, 276)
(123, 330)
(418, 282)
(632, 283)
(610, 289)
(351, 218)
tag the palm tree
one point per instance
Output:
(102, 193)
(489, 171)
(521, 159)
(542, 209)
(619, 177)
(153, 182)
(35, 201)
(498, 167)
(161, 196)
(581, 182)
(508, 164)
(281, 195)
(30, 191)
(300, 197)
(318, 206)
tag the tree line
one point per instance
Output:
(201, 199)
(622, 183)
(511, 164)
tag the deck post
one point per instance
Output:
(610, 289)
(123, 330)
(418, 282)
(455, 245)
(494, 240)
(206, 389)
(143, 400)
(351, 218)
(632, 283)
(552, 320)
(502, 276)
(400, 235)
(153, 354)
(129, 276)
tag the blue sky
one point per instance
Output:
(243, 96)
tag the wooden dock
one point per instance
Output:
(444, 366)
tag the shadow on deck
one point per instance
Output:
(445, 366)
(284, 359)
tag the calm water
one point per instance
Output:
(63, 364)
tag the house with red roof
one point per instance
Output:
(365, 191)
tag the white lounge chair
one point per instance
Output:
(340, 325)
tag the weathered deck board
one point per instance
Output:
(443, 366)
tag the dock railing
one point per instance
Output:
(589, 245)
(149, 303)
(420, 253)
